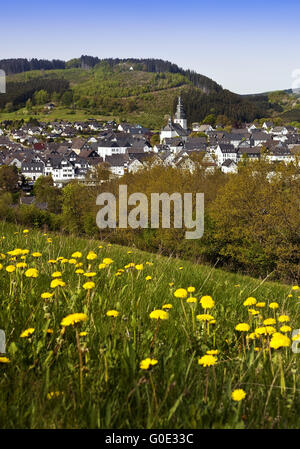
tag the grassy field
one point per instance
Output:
(85, 371)
(57, 114)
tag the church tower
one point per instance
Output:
(180, 117)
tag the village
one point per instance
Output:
(69, 151)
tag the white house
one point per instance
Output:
(225, 151)
(229, 166)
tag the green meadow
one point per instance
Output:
(115, 364)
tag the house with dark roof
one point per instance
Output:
(229, 166)
(118, 163)
(225, 151)
(32, 169)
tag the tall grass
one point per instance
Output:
(66, 379)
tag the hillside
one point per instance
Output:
(285, 102)
(92, 369)
(143, 91)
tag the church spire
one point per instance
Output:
(180, 117)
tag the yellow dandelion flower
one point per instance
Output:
(46, 295)
(4, 360)
(207, 302)
(107, 261)
(79, 271)
(27, 332)
(295, 287)
(285, 329)
(283, 318)
(90, 274)
(207, 360)
(180, 293)
(31, 273)
(191, 289)
(91, 255)
(72, 261)
(21, 265)
(242, 327)
(269, 321)
(57, 283)
(73, 318)
(148, 278)
(10, 268)
(253, 312)
(252, 336)
(130, 265)
(171, 284)
(102, 266)
(167, 306)
(36, 254)
(249, 301)
(270, 330)
(238, 395)
(260, 304)
(260, 331)
(77, 255)
(88, 285)
(139, 267)
(159, 315)
(279, 340)
(16, 252)
(83, 334)
(113, 313)
(56, 274)
(205, 317)
(25, 231)
(273, 305)
(148, 363)
(191, 300)
(212, 352)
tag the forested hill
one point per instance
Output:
(13, 66)
(140, 90)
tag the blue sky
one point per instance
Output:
(248, 48)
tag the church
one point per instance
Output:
(176, 128)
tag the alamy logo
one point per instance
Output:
(296, 343)
(2, 82)
(144, 215)
(2, 342)
(296, 81)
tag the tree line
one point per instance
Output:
(19, 65)
(251, 218)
